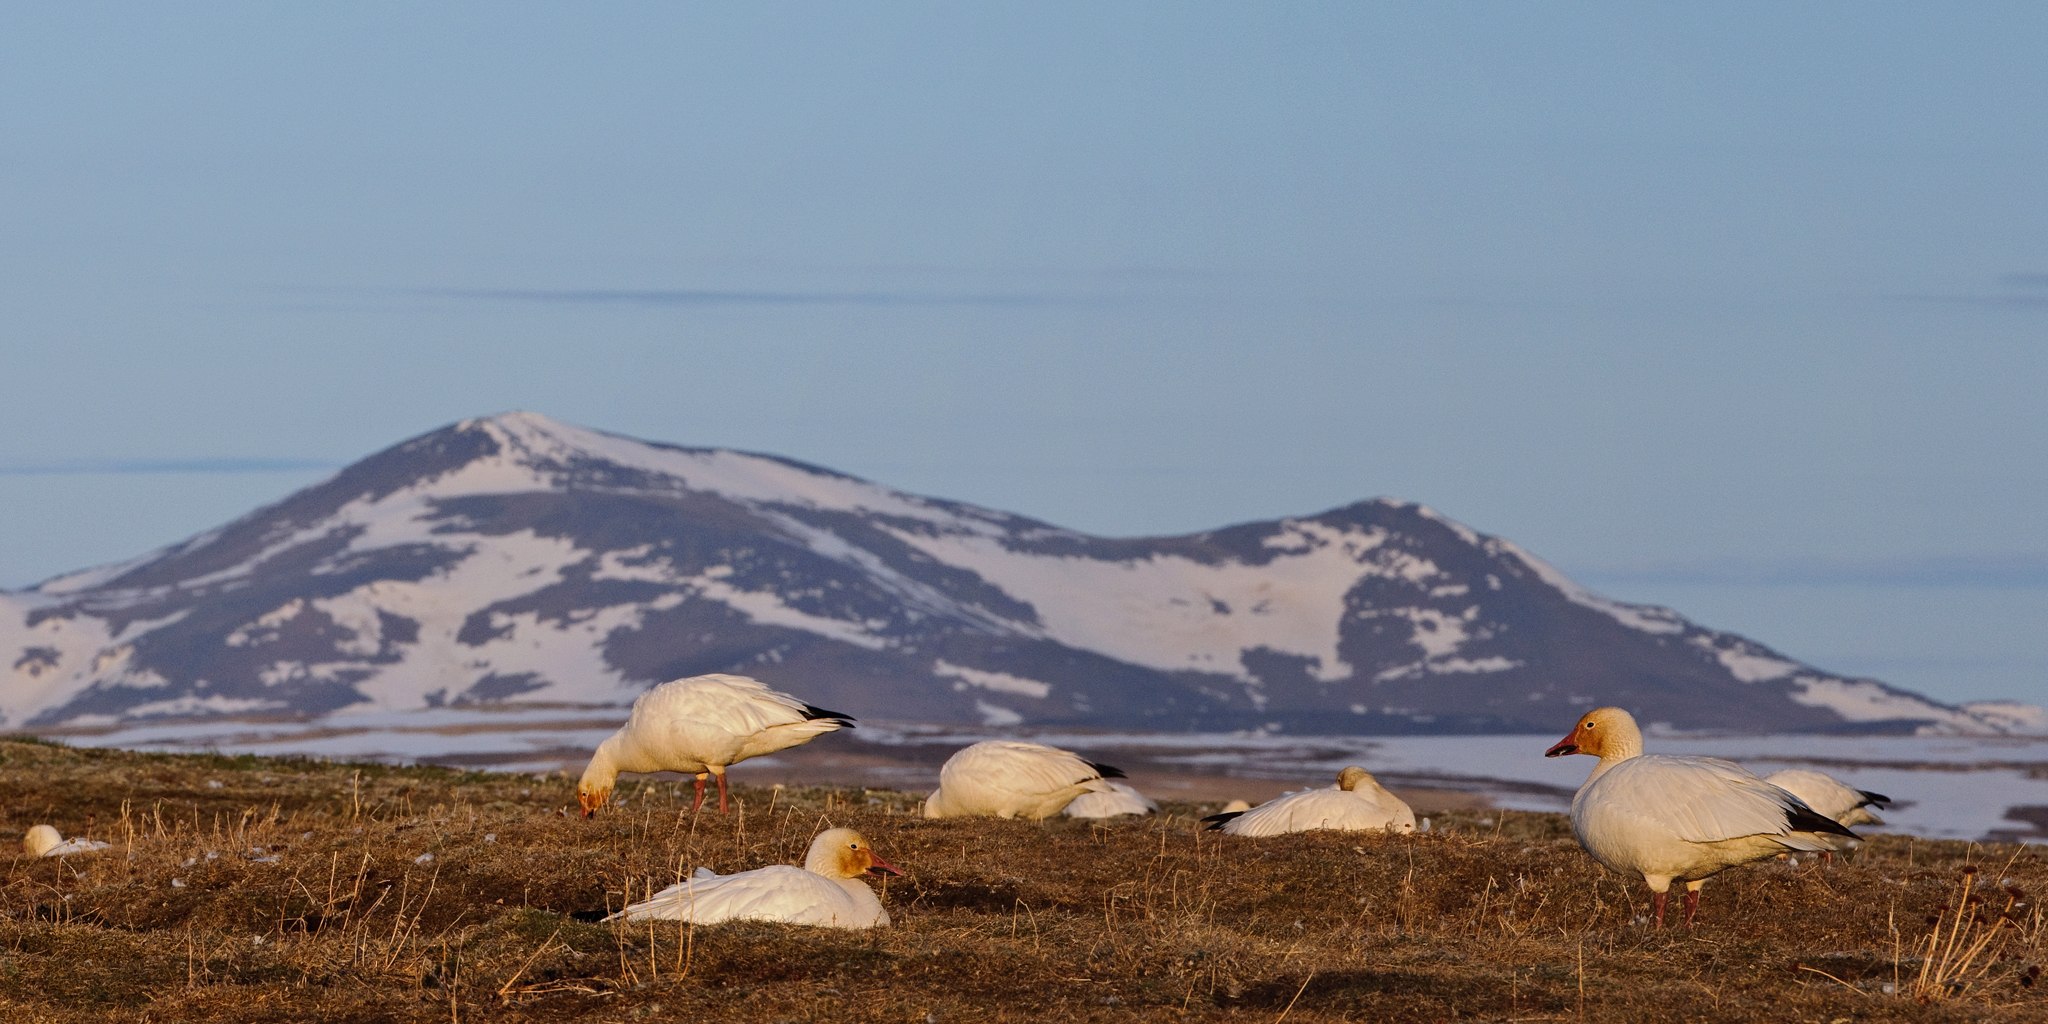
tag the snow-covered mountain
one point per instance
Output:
(519, 559)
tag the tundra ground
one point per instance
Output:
(249, 889)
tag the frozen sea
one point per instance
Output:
(1949, 787)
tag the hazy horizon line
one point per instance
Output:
(122, 467)
(2012, 571)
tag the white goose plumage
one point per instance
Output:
(702, 725)
(1014, 779)
(1115, 799)
(1357, 803)
(1830, 796)
(1669, 818)
(826, 892)
(46, 841)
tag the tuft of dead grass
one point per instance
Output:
(253, 889)
(1967, 942)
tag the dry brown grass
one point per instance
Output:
(303, 891)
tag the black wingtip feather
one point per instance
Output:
(1869, 798)
(812, 712)
(1108, 771)
(1217, 821)
(1805, 819)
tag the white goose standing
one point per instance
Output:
(1014, 779)
(826, 892)
(1358, 803)
(702, 725)
(1669, 818)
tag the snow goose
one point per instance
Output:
(1667, 817)
(1013, 779)
(826, 892)
(702, 725)
(1113, 800)
(1358, 803)
(46, 841)
(1831, 796)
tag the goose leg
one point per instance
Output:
(1657, 907)
(1692, 901)
(721, 791)
(699, 802)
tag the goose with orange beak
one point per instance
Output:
(827, 892)
(1672, 818)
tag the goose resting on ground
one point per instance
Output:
(1358, 803)
(1668, 817)
(46, 841)
(1014, 779)
(1113, 800)
(826, 892)
(702, 725)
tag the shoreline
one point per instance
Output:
(1945, 787)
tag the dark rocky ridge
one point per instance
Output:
(519, 559)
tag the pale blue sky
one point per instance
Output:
(1739, 308)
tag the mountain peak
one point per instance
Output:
(516, 557)
(520, 430)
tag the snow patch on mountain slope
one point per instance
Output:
(750, 479)
(636, 565)
(996, 716)
(87, 579)
(1863, 701)
(1648, 618)
(565, 655)
(2011, 716)
(57, 657)
(512, 566)
(1463, 532)
(917, 596)
(767, 608)
(1439, 634)
(998, 682)
(212, 704)
(1176, 613)
(1744, 662)
(1453, 666)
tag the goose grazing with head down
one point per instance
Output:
(1358, 803)
(1669, 818)
(46, 841)
(826, 892)
(1014, 779)
(1113, 800)
(702, 725)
